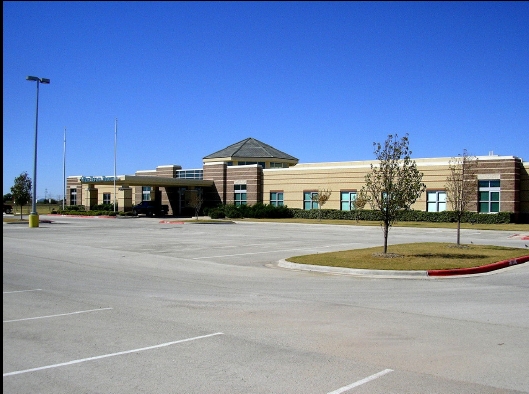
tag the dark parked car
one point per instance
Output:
(150, 208)
(8, 208)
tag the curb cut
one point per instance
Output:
(403, 274)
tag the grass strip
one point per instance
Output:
(414, 257)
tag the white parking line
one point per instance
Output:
(361, 382)
(62, 314)
(306, 248)
(110, 355)
(20, 291)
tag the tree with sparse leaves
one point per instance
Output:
(461, 186)
(21, 190)
(195, 200)
(321, 197)
(359, 203)
(395, 184)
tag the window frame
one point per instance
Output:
(492, 189)
(73, 196)
(107, 198)
(146, 191)
(349, 201)
(240, 194)
(279, 200)
(436, 201)
(313, 204)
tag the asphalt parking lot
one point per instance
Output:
(160, 306)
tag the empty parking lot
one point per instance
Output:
(146, 305)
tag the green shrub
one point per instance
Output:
(216, 213)
(405, 216)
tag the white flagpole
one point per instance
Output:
(115, 144)
(64, 171)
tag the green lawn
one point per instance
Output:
(414, 256)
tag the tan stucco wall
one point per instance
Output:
(349, 176)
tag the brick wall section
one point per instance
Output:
(253, 175)
(524, 192)
(216, 173)
(509, 170)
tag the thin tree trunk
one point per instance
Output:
(458, 231)
(386, 230)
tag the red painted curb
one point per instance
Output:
(479, 270)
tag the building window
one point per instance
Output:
(435, 201)
(240, 194)
(190, 174)
(276, 199)
(106, 198)
(278, 165)
(73, 196)
(310, 200)
(489, 196)
(246, 163)
(145, 193)
(346, 200)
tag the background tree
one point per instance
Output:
(359, 203)
(461, 186)
(21, 190)
(395, 184)
(321, 197)
(8, 197)
(195, 200)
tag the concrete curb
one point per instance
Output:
(481, 269)
(403, 274)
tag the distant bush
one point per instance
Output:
(257, 211)
(406, 216)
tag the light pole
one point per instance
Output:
(115, 147)
(34, 216)
(64, 171)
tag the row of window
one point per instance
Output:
(488, 198)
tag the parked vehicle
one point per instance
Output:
(8, 208)
(150, 208)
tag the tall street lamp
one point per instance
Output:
(34, 216)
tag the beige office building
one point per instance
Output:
(251, 171)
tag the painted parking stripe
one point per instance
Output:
(111, 355)
(270, 251)
(62, 314)
(20, 291)
(361, 382)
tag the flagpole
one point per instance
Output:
(115, 144)
(64, 171)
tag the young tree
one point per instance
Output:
(21, 190)
(359, 203)
(321, 197)
(395, 184)
(461, 186)
(195, 200)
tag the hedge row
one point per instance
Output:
(407, 216)
(260, 211)
(257, 211)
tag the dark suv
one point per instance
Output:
(150, 208)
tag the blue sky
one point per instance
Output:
(320, 81)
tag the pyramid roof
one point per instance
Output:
(250, 148)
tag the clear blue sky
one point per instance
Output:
(320, 81)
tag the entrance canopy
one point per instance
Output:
(133, 180)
